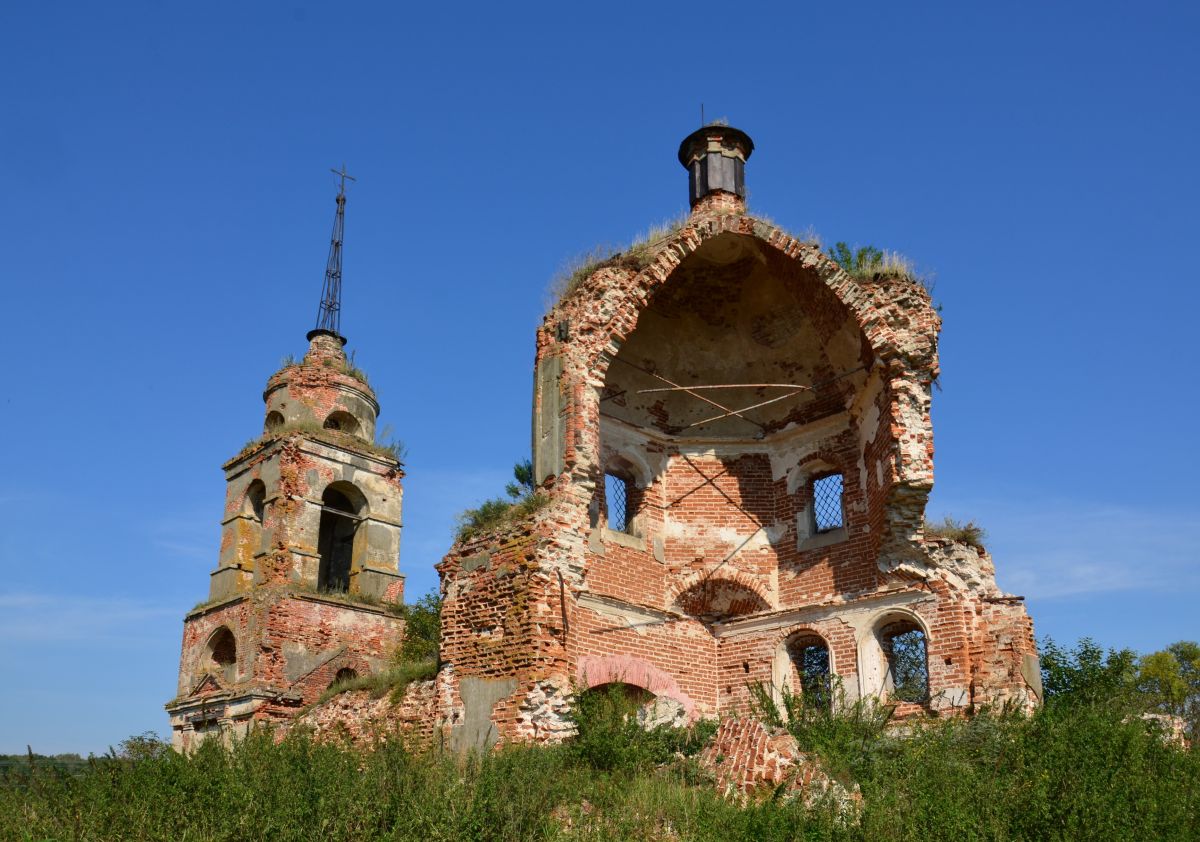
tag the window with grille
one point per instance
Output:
(904, 649)
(616, 498)
(827, 503)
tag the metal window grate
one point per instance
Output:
(827, 503)
(616, 496)
(907, 663)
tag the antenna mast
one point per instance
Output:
(329, 316)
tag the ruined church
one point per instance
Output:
(733, 451)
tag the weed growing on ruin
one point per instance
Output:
(868, 263)
(351, 369)
(207, 603)
(393, 680)
(394, 449)
(387, 442)
(969, 533)
(636, 256)
(524, 498)
(344, 597)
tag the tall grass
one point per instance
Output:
(1081, 770)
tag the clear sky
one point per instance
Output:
(165, 225)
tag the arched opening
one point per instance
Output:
(828, 510)
(740, 342)
(340, 536)
(344, 676)
(605, 710)
(906, 677)
(222, 653)
(739, 362)
(343, 422)
(247, 528)
(714, 600)
(812, 677)
(274, 421)
(622, 496)
(254, 503)
(627, 694)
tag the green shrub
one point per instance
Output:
(422, 629)
(524, 499)
(836, 730)
(1087, 675)
(610, 737)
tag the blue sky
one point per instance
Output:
(166, 220)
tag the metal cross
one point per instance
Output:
(343, 175)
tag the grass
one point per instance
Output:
(392, 680)
(524, 498)
(346, 598)
(636, 256)
(498, 513)
(393, 449)
(868, 263)
(348, 367)
(968, 533)
(1074, 771)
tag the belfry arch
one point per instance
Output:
(342, 540)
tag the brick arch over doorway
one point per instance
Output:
(594, 671)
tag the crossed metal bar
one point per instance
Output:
(795, 388)
(691, 391)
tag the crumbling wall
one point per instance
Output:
(722, 565)
(290, 647)
(502, 636)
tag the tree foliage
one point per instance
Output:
(1169, 682)
(422, 629)
(1086, 673)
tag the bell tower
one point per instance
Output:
(307, 576)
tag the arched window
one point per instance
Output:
(274, 421)
(342, 421)
(341, 536)
(622, 496)
(904, 650)
(828, 512)
(255, 501)
(809, 657)
(222, 653)
(617, 498)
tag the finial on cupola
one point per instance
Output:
(329, 316)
